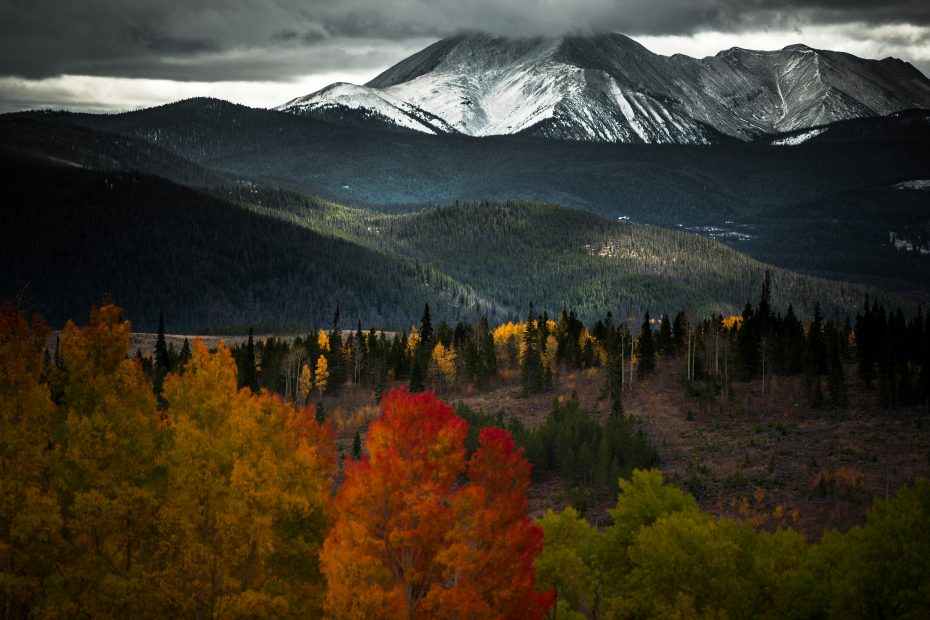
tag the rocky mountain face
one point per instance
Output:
(610, 88)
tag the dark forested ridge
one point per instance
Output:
(787, 205)
(810, 208)
(558, 257)
(266, 256)
(71, 236)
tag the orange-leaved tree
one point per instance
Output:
(414, 539)
(249, 486)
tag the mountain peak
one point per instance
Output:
(608, 87)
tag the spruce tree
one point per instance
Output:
(679, 332)
(248, 377)
(357, 447)
(666, 345)
(185, 355)
(532, 376)
(488, 353)
(747, 345)
(647, 352)
(160, 360)
(334, 358)
(815, 343)
(426, 327)
(416, 375)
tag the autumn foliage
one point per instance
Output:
(214, 502)
(423, 532)
(214, 505)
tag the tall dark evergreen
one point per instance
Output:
(185, 354)
(747, 345)
(161, 361)
(764, 312)
(334, 359)
(532, 375)
(836, 379)
(646, 350)
(426, 327)
(416, 376)
(487, 353)
(680, 332)
(248, 374)
(665, 342)
(356, 446)
(816, 346)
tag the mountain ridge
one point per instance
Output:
(611, 88)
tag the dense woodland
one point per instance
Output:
(72, 236)
(810, 208)
(221, 261)
(187, 496)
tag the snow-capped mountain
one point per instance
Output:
(610, 88)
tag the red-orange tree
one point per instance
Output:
(423, 532)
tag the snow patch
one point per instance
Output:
(800, 138)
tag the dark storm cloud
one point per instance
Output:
(218, 40)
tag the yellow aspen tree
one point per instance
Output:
(109, 465)
(321, 376)
(413, 342)
(306, 384)
(442, 366)
(248, 491)
(30, 517)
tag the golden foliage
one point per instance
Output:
(321, 374)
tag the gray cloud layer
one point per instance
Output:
(246, 40)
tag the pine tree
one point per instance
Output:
(426, 327)
(764, 313)
(647, 352)
(679, 331)
(488, 362)
(531, 371)
(836, 381)
(160, 357)
(747, 345)
(666, 344)
(416, 376)
(357, 447)
(815, 343)
(185, 355)
(335, 360)
(248, 377)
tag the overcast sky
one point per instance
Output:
(101, 55)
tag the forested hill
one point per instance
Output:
(71, 236)
(557, 257)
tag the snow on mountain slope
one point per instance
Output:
(610, 88)
(371, 102)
